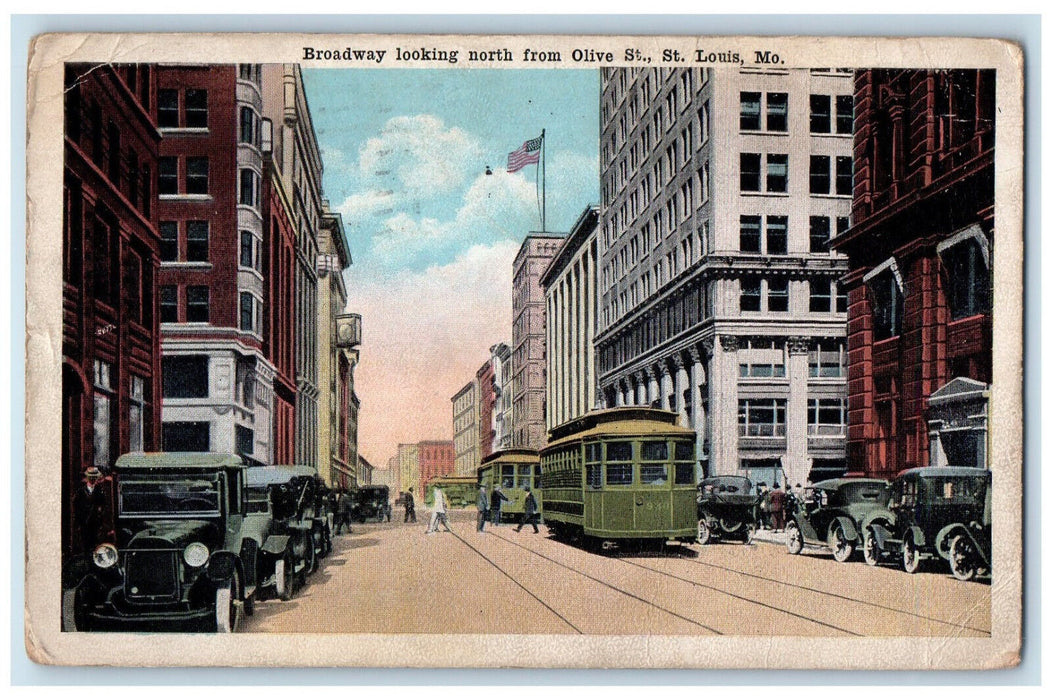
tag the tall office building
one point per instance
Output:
(466, 428)
(719, 297)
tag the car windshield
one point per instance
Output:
(957, 489)
(864, 493)
(738, 486)
(178, 497)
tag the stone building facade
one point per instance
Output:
(719, 297)
(466, 428)
(921, 259)
(570, 285)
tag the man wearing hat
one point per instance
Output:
(92, 510)
(529, 514)
(410, 509)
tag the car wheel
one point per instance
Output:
(794, 541)
(285, 578)
(228, 613)
(310, 560)
(871, 551)
(842, 547)
(704, 532)
(72, 616)
(750, 530)
(910, 555)
(963, 558)
(317, 548)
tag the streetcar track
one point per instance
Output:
(809, 589)
(512, 579)
(693, 583)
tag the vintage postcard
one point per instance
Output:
(506, 351)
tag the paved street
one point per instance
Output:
(392, 578)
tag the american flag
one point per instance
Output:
(529, 152)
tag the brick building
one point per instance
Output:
(110, 337)
(528, 338)
(218, 373)
(434, 458)
(486, 380)
(919, 284)
(466, 428)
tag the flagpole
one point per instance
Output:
(544, 191)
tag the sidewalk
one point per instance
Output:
(769, 537)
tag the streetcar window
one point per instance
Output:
(593, 476)
(653, 474)
(684, 450)
(654, 451)
(618, 463)
(593, 452)
(507, 478)
(618, 474)
(618, 452)
(524, 476)
(684, 473)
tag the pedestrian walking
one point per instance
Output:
(438, 512)
(343, 512)
(529, 514)
(778, 501)
(496, 502)
(483, 505)
(410, 509)
(765, 506)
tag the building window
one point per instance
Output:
(845, 114)
(777, 111)
(244, 439)
(885, 288)
(197, 304)
(827, 359)
(184, 377)
(750, 111)
(778, 295)
(761, 359)
(750, 172)
(248, 126)
(103, 417)
(197, 241)
(168, 175)
(248, 188)
(247, 305)
(826, 416)
(169, 304)
(750, 294)
(819, 234)
(749, 234)
(136, 414)
(168, 109)
(197, 109)
(821, 295)
(132, 286)
(197, 175)
(777, 235)
(966, 277)
(820, 114)
(843, 175)
(843, 223)
(819, 174)
(185, 436)
(761, 417)
(841, 298)
(247, 246)
(777, 172)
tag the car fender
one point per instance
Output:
(945, 538)
(918, 536)
(880, 533)
(221, 567)
(849, 527)
(276, 545)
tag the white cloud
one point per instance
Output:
(425, 335)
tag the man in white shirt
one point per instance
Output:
(438, 512)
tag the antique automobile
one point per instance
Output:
(371, 502)
(921, 503)
(831, 513)
(301, 511)
(967, 546)
(726, 509)
(191, 551)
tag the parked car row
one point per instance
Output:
(200, 537)
(923, 514)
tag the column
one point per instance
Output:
(666, 385)
(641, 388)
(796, 462)
(652, 386)
(723, 405)
(681, 386)
(697, 378)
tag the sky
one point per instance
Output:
(432, 237)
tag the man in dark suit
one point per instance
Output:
(93, 510)
(410, 509)
(483, 505)
(496, 501)
(529, 514)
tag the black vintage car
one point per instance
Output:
(191, 549)
(921, 503)
(372, 502)
(967, 545)
(302, 511)
(726, 509)
(831, 513)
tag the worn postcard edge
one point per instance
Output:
(46, 644)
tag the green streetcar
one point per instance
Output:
(460, 491)
(620, 475)
(513, 470)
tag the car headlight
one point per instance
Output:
(195, 554)
(104, 556)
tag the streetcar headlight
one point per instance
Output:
(104, 556)
(195, 555)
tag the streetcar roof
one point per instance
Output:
(178, 460)
(608, 418)
(833, 484)
(627, 428)
(518, 456)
